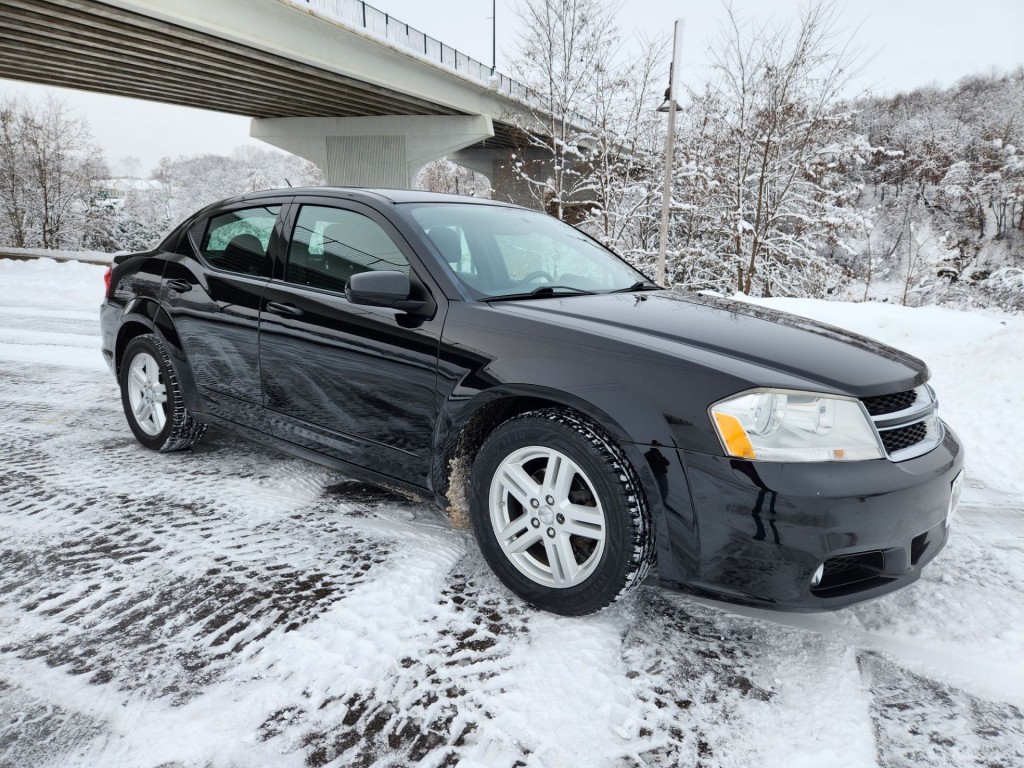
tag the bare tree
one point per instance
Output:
(780, 142)
(566, 46)
(15, 203)
(626, 153)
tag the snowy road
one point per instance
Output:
(233, 607)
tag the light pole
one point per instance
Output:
(669, 106)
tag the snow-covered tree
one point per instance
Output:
(953, 168)
(766, 160)
(626, 154)
(47, 163)
(203, 179)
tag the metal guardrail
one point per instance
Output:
(360, 15)
(85, 257)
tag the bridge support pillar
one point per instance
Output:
(385, 151)
(500, 166)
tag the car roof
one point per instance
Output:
(380, 195)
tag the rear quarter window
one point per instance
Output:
(238, 241)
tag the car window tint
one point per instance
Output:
(330, 245)
(238, 241)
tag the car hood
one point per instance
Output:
(700, 327)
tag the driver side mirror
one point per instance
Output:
(379, 288)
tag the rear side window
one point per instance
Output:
(238, 241)
(330, 245)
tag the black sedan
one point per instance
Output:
(588, 423)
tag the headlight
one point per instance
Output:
(777, 425)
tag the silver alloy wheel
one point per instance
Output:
(147, 394)
(547, 517)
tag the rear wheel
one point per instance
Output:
(152, 399)
(559, 513)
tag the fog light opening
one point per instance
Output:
(818, 574)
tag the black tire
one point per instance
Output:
(176, 430)
(600, 482)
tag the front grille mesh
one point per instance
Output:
(904, 437)
(883, 404)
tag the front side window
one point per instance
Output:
(238, 241)
(330, 245)
(495, 251)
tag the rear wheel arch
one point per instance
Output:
(146, 316)
(125, 334)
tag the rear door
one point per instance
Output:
(354, 382)
(212, 290)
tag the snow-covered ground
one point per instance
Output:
(230, 606)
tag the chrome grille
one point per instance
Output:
(883, 404)
(906, 422)
(903, 437)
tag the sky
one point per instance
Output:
(904, 44)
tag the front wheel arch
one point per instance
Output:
(468, 427)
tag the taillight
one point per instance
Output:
(106, 279)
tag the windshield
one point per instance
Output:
(495, 251)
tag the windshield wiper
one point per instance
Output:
(640, 285)
(541, 292)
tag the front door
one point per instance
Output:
(354, 382)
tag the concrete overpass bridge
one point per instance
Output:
(365, 97)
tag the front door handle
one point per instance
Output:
(288, 310)
(179, 286)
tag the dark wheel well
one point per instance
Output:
(127, 332)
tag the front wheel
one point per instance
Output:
(152, 399)
(559, 513)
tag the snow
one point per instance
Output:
(231, 606)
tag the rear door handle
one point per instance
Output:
(180, 286)
(288, 310)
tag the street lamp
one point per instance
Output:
(670, 106)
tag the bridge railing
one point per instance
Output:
(360, 15)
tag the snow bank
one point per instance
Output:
(45, 283)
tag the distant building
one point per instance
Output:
(111, 193)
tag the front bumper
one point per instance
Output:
(765, 528)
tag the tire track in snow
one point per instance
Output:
(425, 705)
(918, 721)
(151, 591)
